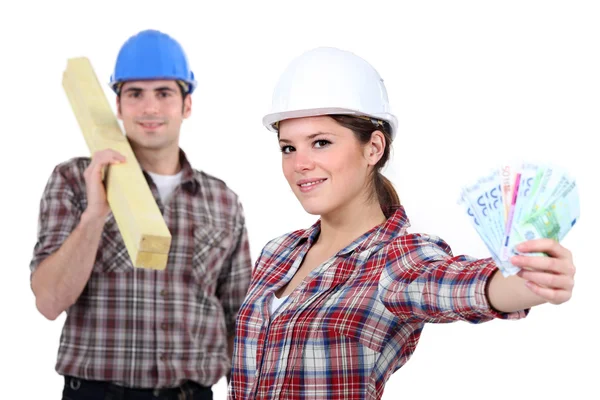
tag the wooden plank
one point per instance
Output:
(138, 217)
(151, 260)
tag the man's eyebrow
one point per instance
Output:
(132, 89)
(164, 89)
(158, 89)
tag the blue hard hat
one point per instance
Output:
(151, 54)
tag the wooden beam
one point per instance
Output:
(138, 217)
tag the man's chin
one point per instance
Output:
(148, 143)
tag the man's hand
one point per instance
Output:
(96, 192)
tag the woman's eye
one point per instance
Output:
(322, 143)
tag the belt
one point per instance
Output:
(179, 392)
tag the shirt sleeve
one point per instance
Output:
(423, 280)
(235, 278)
(59, 214)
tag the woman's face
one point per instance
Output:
(324, 163)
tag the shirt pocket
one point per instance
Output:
(349, 335)
(359, 317)
(364, 336)
(210, 253)
(112, 256)
(341, 356)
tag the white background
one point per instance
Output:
(473, 83)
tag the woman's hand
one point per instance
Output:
(552, 277)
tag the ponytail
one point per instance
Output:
(386, 194)
(363, 128)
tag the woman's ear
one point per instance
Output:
(374, 149)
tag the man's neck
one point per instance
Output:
(161, 162)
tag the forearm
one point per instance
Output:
(60, 279)
(510, 294)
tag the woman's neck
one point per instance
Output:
(346, 224)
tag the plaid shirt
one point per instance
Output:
(356, 318)
(146, 328)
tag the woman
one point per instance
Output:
(334, 310)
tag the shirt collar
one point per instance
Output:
(189, 180)
(395, 225)
(189, 175)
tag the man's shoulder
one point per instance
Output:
(74, 166)
(215, 185)
(69, 172)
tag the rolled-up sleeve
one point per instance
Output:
(59, 214)
(234, 280)
(422, 280)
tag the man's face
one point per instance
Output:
(152, 112)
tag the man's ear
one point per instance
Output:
(118, 103)
(187, 106)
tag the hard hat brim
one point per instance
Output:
(113, 84)
(271, 119)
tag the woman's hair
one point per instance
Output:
(363, 129)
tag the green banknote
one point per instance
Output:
(521, 201)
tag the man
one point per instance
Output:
(132, 332)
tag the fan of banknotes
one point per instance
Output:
(520, 201)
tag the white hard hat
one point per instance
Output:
(326, 81)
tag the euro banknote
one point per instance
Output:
(520, 201)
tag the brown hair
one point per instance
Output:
(183, 90)
(363, 128)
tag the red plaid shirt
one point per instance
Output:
(356, 318)
(145, 328)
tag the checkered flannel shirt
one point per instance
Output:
(147, 328)
(356, 318)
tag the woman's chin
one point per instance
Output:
(315, 209)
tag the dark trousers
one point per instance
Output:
(81, 389)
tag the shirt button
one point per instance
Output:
(163, 326)
(163, 293)
(163, 357)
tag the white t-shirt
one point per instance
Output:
(166, 184)
(277, 302)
